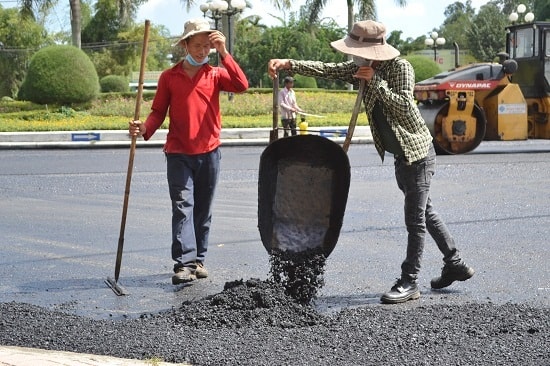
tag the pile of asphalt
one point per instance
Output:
(253, 322)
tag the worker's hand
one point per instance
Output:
(365, 73)
(136, 128)
(275, 65)
(217, 41)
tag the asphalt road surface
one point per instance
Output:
(60, 216)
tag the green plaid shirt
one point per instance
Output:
(392, 85)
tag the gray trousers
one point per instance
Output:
(414, 180)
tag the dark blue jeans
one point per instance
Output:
(192, 181)
(414, 179)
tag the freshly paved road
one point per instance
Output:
(60, 213)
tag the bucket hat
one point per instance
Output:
(195, 26)
(367, 39)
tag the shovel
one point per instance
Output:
(302, 194)
(113, 283)
(302, 190)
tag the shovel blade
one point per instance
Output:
(302, 193)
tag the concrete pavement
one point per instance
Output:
(19, 356)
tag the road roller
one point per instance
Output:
(505, 100)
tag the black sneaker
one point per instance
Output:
(451, 273)
(183, 275)
(402, 291)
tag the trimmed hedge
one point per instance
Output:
(60, 74)
(424, 68)
(114, 83)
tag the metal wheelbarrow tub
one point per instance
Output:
(302, 193)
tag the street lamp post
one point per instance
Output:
(433, 42)
(217, 9)
(514, 16)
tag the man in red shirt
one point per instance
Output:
(189, 93)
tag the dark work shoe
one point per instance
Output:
(183, 275)
(402, 291)
(451, 273)
(201, 271)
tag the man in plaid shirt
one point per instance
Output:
(397, 128)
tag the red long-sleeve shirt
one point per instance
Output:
(193, 105)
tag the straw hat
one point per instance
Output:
(195, 26)
(367, 39)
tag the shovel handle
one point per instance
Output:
(274, 135)
(354, 114)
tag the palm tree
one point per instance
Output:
(76, 22)
(27, 10)
(127, 9)
(367, 9)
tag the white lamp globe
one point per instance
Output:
(529, 17)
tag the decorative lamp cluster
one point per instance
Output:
(515, 15)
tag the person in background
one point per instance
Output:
(399, 130)
(289, 106)
(189, 93)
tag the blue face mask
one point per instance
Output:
(192, 61)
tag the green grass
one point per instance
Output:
(113, 111)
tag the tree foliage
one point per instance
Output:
(113, 41)
(20, 37)
(458, 21)
(486, 37)
(297, 39)
(542, 9)
(114, 46)
(105, 23)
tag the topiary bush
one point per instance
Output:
(305, 82)
(60, 74)
(113, 84)
(424, 67)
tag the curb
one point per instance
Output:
(120, 138)
(20, 356)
